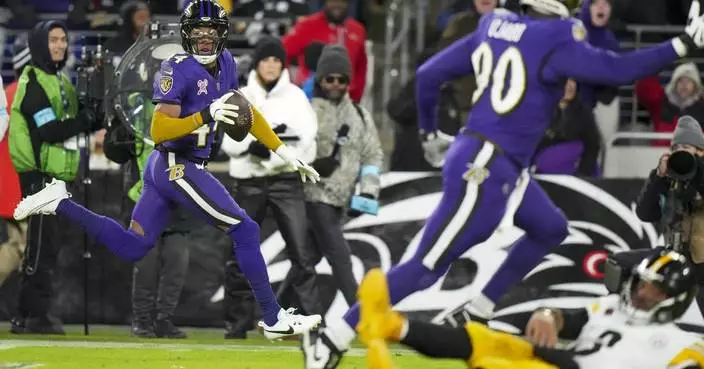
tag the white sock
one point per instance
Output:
(340, 333)
(404, 330)
(484, 306)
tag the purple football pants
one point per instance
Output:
(477, 183)
(170, 181)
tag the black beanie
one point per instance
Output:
(311, 55)
(334, 59)
(266, 47)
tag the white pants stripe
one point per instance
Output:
(198, 199)
(463, 212)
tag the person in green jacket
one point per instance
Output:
(45, 121)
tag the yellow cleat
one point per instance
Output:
(378, 323)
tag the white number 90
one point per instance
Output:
(486, 73)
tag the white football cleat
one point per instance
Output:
(319, 351)
(290, 324)
(43, 202)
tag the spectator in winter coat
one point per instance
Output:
(682, 96)
(331, 26)
(263, 182)
(573, 122)
(348, 151)
(134, 16)
(595, 14)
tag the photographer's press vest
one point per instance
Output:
(25, 146)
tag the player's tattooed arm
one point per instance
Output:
(166, 124)
(263, 132)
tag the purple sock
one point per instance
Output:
(245, 238)
(403, 280)
(525, 254)
(121, 242)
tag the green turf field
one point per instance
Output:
(111, 347)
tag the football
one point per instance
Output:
(243, 122)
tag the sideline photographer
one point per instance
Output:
(672, 195)
(44, 122)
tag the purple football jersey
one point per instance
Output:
(183, 81)
(521, 65)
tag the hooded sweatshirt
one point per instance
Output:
(44, 113)
(663, 103)
(602, 38)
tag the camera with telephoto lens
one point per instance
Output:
(682, 166)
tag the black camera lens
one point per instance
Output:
(681, 165)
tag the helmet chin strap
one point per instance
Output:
(205, 59)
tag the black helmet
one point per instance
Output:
(674, 276)
(204, 13)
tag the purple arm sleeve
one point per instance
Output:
(453, 62)
(168, 84)
(584, 63)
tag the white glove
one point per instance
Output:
(435, 146)
(306, 171)
(695, 24)
(693, 36)
(222, 111)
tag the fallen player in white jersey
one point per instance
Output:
(632, 330)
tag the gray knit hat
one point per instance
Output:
(334, 60)
(688, 132)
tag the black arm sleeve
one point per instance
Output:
(648, 203)
(36, 107)
(574, 321)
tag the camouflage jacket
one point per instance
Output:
(360, 157)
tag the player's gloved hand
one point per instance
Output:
(222, 112)
(693, 36)
(306, 171)
(259, 150)
(435, 146)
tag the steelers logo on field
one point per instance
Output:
(165, 84)
(579, 32)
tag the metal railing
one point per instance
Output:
(397, 49)
(630, 108)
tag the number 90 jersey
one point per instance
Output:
(512, 104)
(607, 341)
(185, 82)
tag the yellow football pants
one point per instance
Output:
(496, 350)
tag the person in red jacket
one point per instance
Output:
(682, 96)
(331, 25)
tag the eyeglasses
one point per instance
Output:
(343, 80)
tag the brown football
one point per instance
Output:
(243, 122)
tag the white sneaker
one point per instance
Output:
(290, 324)
(43, 202)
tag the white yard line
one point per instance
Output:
(9, 344)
